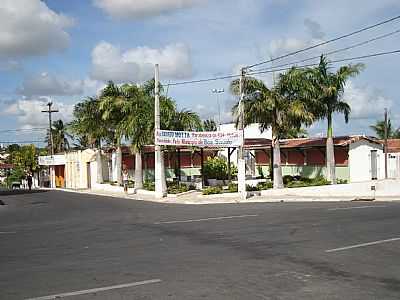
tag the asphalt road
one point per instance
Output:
(85, 247)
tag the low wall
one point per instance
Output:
(383, 188)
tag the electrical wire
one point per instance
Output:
(326, 42)
(21, 142)
(280, 69)
(333, 61)
(334, 51)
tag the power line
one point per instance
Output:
(280, 69)
(333, 61)
(334, 51)
(202, 80)
(326, 42)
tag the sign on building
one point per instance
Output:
(54, 160)
(218, 139)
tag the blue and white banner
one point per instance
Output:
(216, 139)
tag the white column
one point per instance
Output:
(160, 184)
(241, 161)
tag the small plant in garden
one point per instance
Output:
(341, 181)
(251, 188)
(232, 188)
(260, 172)
(176, 188)
(212, 190)
(149, 185)
(264, 185)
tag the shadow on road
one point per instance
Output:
(20, 192)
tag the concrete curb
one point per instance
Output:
(199, 200)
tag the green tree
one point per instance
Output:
(379, 128)
(281, 108)
(60, 136)
(328, 89)
(209, 125)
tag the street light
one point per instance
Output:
(217, 92)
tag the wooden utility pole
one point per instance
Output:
(51, 145)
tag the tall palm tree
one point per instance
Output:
(112, 100)
(328, 93)
(60, 136)
(280, 108)
(91, 129)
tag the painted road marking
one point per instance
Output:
(206, 219)
(363, 245)
(96, 290)
(357, 207)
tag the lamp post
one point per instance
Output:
(217, 92)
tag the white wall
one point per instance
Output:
(360, 161)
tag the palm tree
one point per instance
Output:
(112, 100)
(379, 128)
(90, 129)
(328, 95)
(60, 136)
(209, 125)
(281, 108)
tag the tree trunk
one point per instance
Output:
(119, 165)
(278, 181)
(99, 164)
(330, 154)
(138, 171)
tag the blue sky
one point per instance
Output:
(67, 49)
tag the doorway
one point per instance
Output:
(374, 164)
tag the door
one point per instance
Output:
(374, 164)
(89, 177)
(59, 174)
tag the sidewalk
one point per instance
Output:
(196, 198)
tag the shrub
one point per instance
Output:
(217, 168)
(303, 182)
(287, 178)
(251, 188)
(176, 188)
(192, 187)
(232, 188)
(149, 185)
(212, 190)
(264, 185)
(260, 172)
(341, 181)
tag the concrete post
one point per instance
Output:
(160, 184)
(241, 160)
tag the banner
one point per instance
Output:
(216, 139)
(54, 160)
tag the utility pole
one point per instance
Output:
(386, 143)
(241, 161)
(160, 184)
(50, 111)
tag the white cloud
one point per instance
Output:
(29, 112)
(138, 9)
(29, 27)
(45, 84)
(365, 103)
(137, 64)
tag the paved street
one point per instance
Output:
(90, 247)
